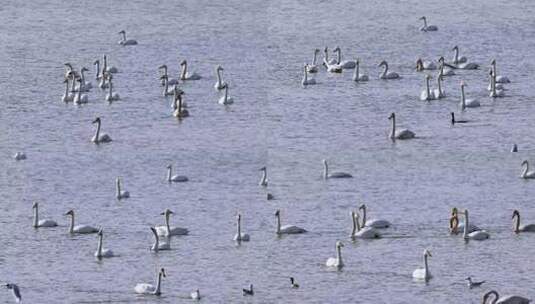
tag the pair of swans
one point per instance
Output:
(41, 223)
(526, 174)
(175, 178)
(179, 105)
(119, 193)
(240, 236)
(401, 134)
(101, 252)
(337, 261)
(427, 94)
(287, 229)
(467, 103)
(226, 99)
(357, 76)
(423, 274)
(99, 138)
(306, 81)
(184, 75)
(427, 28)
(386, 74)
(512, 299)
(167, 230)
(517, 228)
(79, 229)
(124, 41)
(362, 232)
(149, 289)
(84, 86)
(220, 84)
(327, 175)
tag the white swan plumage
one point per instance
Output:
(526, 174)
(439, 91)
(357, 76)
(445, 71)
(478, 235)
(67, 96)
(225, 99)
(423, 273)
(125, 41)
(160, 244)
(427, 94)
(287, 229)
(175, 178)
(98, 137)
(108, 69)
(313, 68)
(80, 98)
(149, 289)
(337, 261)
(170, 81)
(362, 232)
(167, 230)
(41, 223)
(401, 133)
(240, 236)
(422, 65)
(386, 74)
(375, 223)
(467, 103)
(111, 96)
(494, 91)
(499, 78)
(517, 228)
(79, 229)
(456, 58)
(102, 252)
(220, 84)
(184, 75)
(305, 80)
(85, 85)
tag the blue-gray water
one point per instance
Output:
(274, 122)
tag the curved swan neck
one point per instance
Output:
(97, 63)
(226, 91)
(325, 170)
(456, 58)
(305, 76)
(526, 169)
(184, 71)
(385, 69)
(118, 188)
(219, 81)
(463, 101)
(97, 133)
(35, 217)
(393, 133)
(263, 180)
(99, 249)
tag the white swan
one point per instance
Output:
(439, 92)
(521, 228)
(104, 80)
(454, 121)
(67, 96)
(426, 94)
(41, 223)
(80, 98)
(16, 292)
(167, 230)
(167, 91)
(287, 229)
(456, 226)
(423, 273)
(305, 80)
(399, 134)
(100, 138)
(108, 69)
(220, 84)
(170, 81)
(86, 85)
(477, 235)
(467, 103)
(386, 74)
(327, 175)
(468, 66)
(345, 64)
(111, 96)
(240, 237)
(159, 245)
(326, 61)
(149, 289)
(526, 174)
(504, 299)
(427, 28)
(375, 223)
(425, 65)
(225, 99)
(19, 156)
(456, 58)
(499, 78)
(494, 92)
(184, 75)
(120, 194)
(443, 70)
(179, 104)
(313, 68)
(336, 262)
(364, 232)
(175, 178)
(101, 252)
(80, 229)
(357, 76)
(124, 41)
(334, 68)
(195, 295)
(264, 179)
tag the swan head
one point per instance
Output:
(163, 66)
(326, 49)
(525, 162)
(278, 212)
(67, 64)
(97, 120)
(169, 166)
(219, 68)
(441, 59)
(96, 62)
(493, 62)
(35, 205)
(422, 18)
(383, 63)
(122, 32)
(167, 212)
(491, 72)
(463, 84)
(316, 51)
(337, 49)
(454, 210)
(362, 207)
(99, 233)
(70, 212)
(419, 64)
(262, 169)
(427, 76)
(427, 253)
(455, 48)
(162, 271)
(84, 69)
(515, 213)
(183, 62)
(339, 244)
(392, 116)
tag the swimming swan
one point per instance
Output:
(263, 180)
(499, 78)
(19, 156)
(195, 295)
(184, 75)
(439, 92)
(240, 237)
(443, 70)
(167, 230)
(336, 262)
(108, 69)
(423, 273)
(100, 138)
(167, 91)
(467, 103)
(80, 98)
(67, 96)
(86, 85)
(504, 299)
(399, 134)
(326, 174)
(158, 245)
(375, 223)
(124, 41)
(120, 194)
(149, 289)
(456, 58)
(248, 292)
(313, 68)
(80, 229)
(477, 235)
(170, 81)
(517, 228)
(426, 94)
(357, 76)
(386, 74)
(102, 253)
(326, 61)
(41, 223)
(175, 178)
(220, 84)
(526, 174)
(346, 64)
(362, 232)
(287, 229)
(305, 80)
(456, 226)
(225, 99)
(427, 28)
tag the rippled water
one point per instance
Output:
(274, 122)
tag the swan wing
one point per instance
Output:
(179, 178)
(85, 229)
(479, 235)
(513, 300)
(340, 175)
(47, 223)
(332, 262)
(404, 134)
(178, 231)
(144, 288)
(528, 228)
(419, 274)
(291, 229)
(377, 223)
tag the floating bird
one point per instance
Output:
(294, 283)
(149, 289)
(336, 262)
(175, 178)
(504, 299)
(517, 228)
(101, 252)
(100, 138)
(399, 134)
(327, 175)
(386, 74)
(526, 174)
(287, 229)
(427, 28)
(362, 232)
(472, 284)
(240, 237)
(158, 245)
(167, 230)
(79, 229)
(375, 223)
(124, 41)
(220, 84)
(120, 194)
(41, 223)
(423, 273)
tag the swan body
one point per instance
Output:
(263, 180)
(517, 228)
(526, 174)
(305, 80)
(313, 68)
(423, 273)
(16, 292)
(85, 85)
(374, 223)
(79, 229)
(401, 133)
(124, 41)
(478, 235)
(425, 65)
(327, 175)
(184, 75)
(498, 78)
(149, 289)
(175, 178)
(167, 230)
(80, 98)
(225, 99)
(120, 194)
(334, 68)
(357, 77)
(337, 261)
(220, 84)
(240, 237)
(504, 299)
(67, 96)
(427, 28)
(179, 104)
(344, 64)
(287, 229)
(426, 94)
(101, 252)
(19, 156)
(467, 103)
(98, 137)
(362, 232)
(159, 245)
(196, 295)
(386, 74)
(41, 223)
(468, 66)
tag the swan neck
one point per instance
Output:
(385, 71)
(82, 76)
(354, 220)
(363, 218)
(393, 133)
(118, 188)
(165, 85)
(99, 248)
(305, 76)
(158, 284)
(526, 168)
(35, 217)
(314, 59)
(426, 266)
(427, 87)
(339, 255)
(156, 245)
(97, 134)
(264, 177)
(239, 228)
(278, 224)
(339, 58)
(226, 92)
(71, 227)
(463, 101)
(219, 83)
(67, 88)
(325, 170)
(517, 223)
(110, 88)
(167, 224)
(97, 76)
(466, 223)
(456, 58)
(184, 71)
